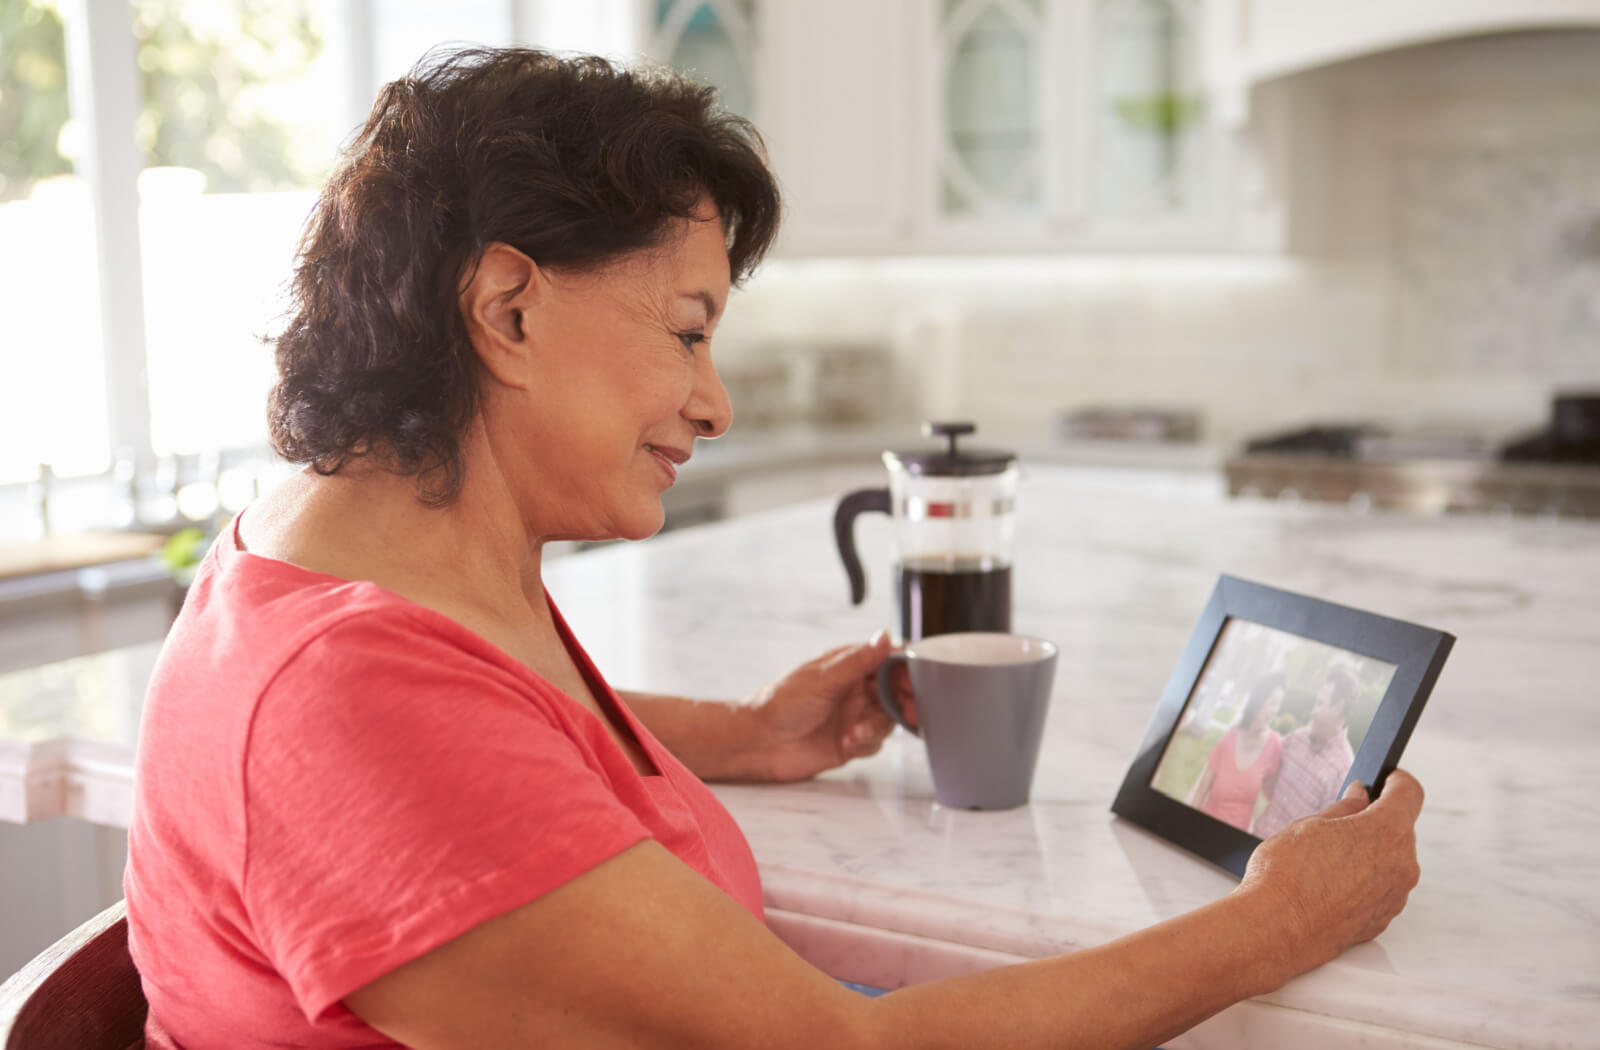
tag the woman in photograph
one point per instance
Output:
(1244, 759)
(384, 797)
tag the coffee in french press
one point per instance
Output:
(954, 529)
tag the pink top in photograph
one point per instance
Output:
(1234, 790)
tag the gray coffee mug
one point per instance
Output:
(981, 698)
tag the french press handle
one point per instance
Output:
(844, 534)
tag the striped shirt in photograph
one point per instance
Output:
(1309, 779)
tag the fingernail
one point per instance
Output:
(880, 637)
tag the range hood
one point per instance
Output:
(1279, 37)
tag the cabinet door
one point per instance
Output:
(1154, 148)
(840, 123)
(826, 82)
(918, 126)
(1078, 125)
(998, 100)
(714, 41)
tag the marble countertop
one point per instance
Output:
(869, 878)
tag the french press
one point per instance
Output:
(954, 530)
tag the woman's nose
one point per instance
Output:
(709, 408)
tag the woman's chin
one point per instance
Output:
(643, 525)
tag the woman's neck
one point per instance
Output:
(366, 523)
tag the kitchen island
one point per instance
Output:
(873, 881)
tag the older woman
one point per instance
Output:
(384, 797)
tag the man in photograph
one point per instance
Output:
(1314, 760)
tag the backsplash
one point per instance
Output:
(1497, 259)
(1445, 220)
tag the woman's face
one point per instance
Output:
(621, 385)
(1268, 711)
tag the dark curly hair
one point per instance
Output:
(574, 161)
(1264, 687)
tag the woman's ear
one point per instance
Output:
(501, 289)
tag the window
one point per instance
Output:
(158, 159)
(52, 387)
(224, 112)
(236, 137)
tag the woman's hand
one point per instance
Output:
(1337, 878)
(823, 713)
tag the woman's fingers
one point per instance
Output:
(1353, 802)
(849, 662)
(1402, 795)
(1344, 874)
(867, 736)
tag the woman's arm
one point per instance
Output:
(820, 715)
(713, 738)
(641, 951)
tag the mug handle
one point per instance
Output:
(886, 698)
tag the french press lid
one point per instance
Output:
(951, 461)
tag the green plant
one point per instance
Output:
(1166, 113)
(183, 550)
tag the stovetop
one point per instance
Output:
(1430, 471)
(1365, 441)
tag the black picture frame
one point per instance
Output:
(1417, 653)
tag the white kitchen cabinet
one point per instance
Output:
(827, 83)
(713, 39)
(1087, 125)
(841, 122)
(939, 126)
(1003, 105)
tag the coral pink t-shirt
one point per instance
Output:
(1234, 790)
(333, 780)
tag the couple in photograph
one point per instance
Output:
(1299, 774)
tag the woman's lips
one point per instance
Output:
(669, 458)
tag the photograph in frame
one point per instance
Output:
(1279, 701)
(1272, 728)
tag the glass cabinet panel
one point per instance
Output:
(712, 41)
(1149, 122)
(991, 150)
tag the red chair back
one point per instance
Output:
(81, 993)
